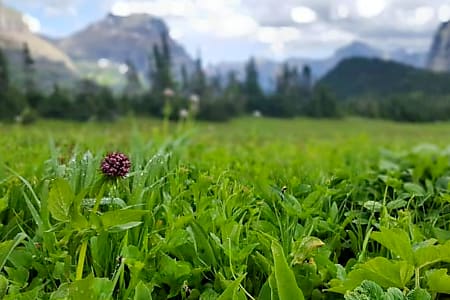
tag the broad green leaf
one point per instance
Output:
(380, 270)
(3, 286)
(62, 293)
(414, 189)
(142, 292)
(232, 292)
(172, 271)
(6, 248)
(203, 244)
(397, 241)
(373, 206)
(441, 235)
(105, 201)
(28, 295)
(394, 294)
(438, 281)
(122, 218)
(285, 279)
(265, 292)
(396, 204)
(60, 200)
(4, 202)
(91, 288)
(418, 294)
(430, 254)
(209, 294)
(389, 273)
(123, 227)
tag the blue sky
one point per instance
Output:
(232, 30)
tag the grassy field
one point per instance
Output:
(251, 209)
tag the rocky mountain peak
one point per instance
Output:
(439, 55)
(11, 21)
(122, 38)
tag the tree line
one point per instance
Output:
(171, 94)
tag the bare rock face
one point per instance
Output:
(52, 65)
(118, 39)
(11, 20)
(439, 56)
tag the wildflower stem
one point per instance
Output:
(81, 258)
(83, 248)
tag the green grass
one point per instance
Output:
(203, 214)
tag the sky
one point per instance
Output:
(233, 30)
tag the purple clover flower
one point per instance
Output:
(115, 165)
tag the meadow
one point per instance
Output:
(250, 209)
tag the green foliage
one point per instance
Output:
(356, 77)
(160, 74)
(262, 208)
(369, 290)
(286, 286)
(251, 88)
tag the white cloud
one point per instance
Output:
(370, 8)
(215, 17)
(158, 8)
(424, 14)
(342, 11)
(271, 35)
(444, 12)
(303, 14)
(33, 23)
(227, 29)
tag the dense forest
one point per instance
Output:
(367, 87)
(390, 90)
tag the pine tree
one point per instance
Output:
(199, 84)
(28, 69)
(161, 77)
(12, 101)
(133, 86)
(185, 87)
(252, 89)
(307, 77)
(4, 72)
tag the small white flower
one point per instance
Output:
(194, 99)
(183, 113)
(168, 92)
(257, 114)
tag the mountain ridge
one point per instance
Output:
(439, 54)
(359, 77)
(110, 38)
(51, 64)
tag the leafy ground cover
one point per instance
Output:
(252, 209)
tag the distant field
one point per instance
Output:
(241, 134)
(262, 208)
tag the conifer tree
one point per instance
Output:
(161, 77)
(199, 84)
(4, 72)
(251, 88)
(28, 69)
(133, 86)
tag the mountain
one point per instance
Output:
(356, 49)
(51, 64)
(268, 69)
(115, 39)
(357, 77)
(414, 59)
(439, 55)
